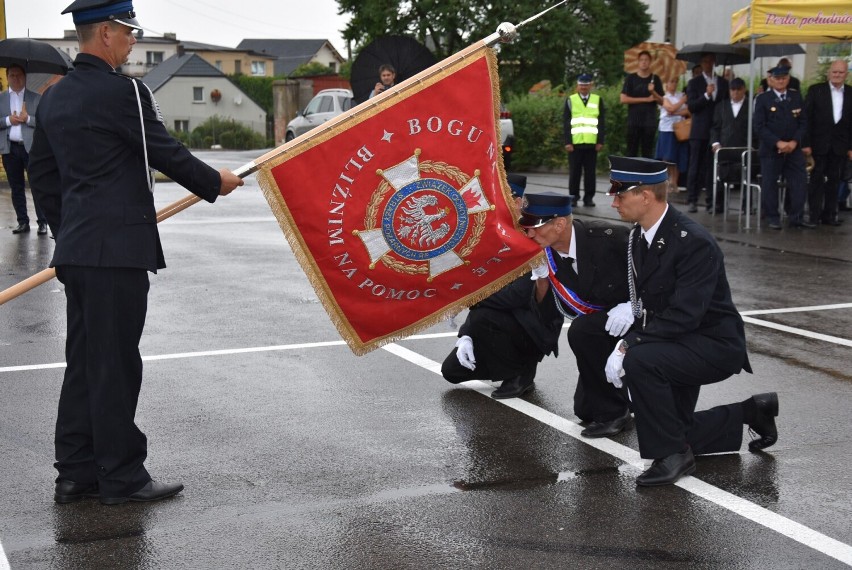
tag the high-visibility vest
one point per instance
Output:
(584, 119)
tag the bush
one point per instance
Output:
(539, 140)
(225, 132)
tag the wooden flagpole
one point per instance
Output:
(506, 32)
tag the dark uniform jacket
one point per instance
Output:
(602, 262)
(684, 289)
(776, 120)
(87, 169)
(822, 134)
(701, 107)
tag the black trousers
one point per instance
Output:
(595, 399)
(15, 164)
(824, 186)
(664, 380)
(96, 436)
(792, 167)
(641, 136)
(582, 162)
(501, 347)
(700, 172)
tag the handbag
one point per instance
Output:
(682, 128)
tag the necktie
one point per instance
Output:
(783, 96)
(571, 272)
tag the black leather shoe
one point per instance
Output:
(589, 204)
(668, 470)
(21, 229)
(774, 225)
(606, 429)
(71, 491)
(832, 222)
(764, 424)
(804, 225)
(692, 208)
(517, 386)
(42, 229)
(152, 491)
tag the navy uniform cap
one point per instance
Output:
(94, 11)
(518, 183)
(629, 172)
(779, 71)
(584, 79)
(539, 209)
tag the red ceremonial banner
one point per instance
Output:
(399, 213)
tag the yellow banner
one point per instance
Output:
(2, 19)
(793, 21)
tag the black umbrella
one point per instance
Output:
(726, 54)
(777, 50)
(33, 55)
(408, 57)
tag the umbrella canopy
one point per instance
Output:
(663, 59)
(408, 57)
(33, 55)
(776, 50)
(726, 54)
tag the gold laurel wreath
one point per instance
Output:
(378, 197)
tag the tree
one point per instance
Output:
(581, 36)
(312, 69)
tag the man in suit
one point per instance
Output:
(828, 138)
(703, 93)
(583, 125)
(780, 122)
(687, 333)
(97, 134)
(582, 280)
(730, 130)
(18, 108)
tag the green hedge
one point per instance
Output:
(537, 119)
(222, 131)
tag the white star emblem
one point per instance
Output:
(387, 137)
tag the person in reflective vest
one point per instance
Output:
(583, 125)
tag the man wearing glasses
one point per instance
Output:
(687, 332)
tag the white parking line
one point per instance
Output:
(801, 332)
(797, 309)
(755, 513)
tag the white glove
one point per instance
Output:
(465, 352)
(540, 272)
(620, 319)
(614, 366)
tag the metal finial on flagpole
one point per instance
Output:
(507, 31)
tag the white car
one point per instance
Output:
(325, 105)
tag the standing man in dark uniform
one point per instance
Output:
(703, 93)
(828, 108)
(583, 124)
(97, 135)
(688, 332)
(582, 279)
(780, 123)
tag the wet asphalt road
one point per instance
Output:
(297, 454)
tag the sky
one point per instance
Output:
(218, 22)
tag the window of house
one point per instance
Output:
(153, 57)
(258, 68)
(182, 126)
(198, 94)
(238, 67)
(219, 64)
